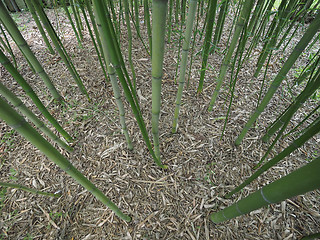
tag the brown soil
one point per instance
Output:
(164, 204)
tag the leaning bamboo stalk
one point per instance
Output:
(305, 179)
(159, 12)
(243, 18)
(16, 102)
(183, 66)
(115, 88)
(14, 32)
(312, 130)
(311, 87)
(29, 91)
(127, 18)
(40, 28)
(31, 190)
(13, 119)
(207, 41)
(302, 44)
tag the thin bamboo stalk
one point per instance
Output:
(245, 12)
(31, 190)
(159, 12)
(59, 46)
(183, 66)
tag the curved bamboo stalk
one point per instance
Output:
(29, 91)
(13, 119)
(31, 190)
(16, 102)
(183, 66)
(305, 179)
(312, 130)
(159, 12)
(25, 49)
(307, 37)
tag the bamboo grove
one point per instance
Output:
(254, 22)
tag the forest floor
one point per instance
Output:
(164, 204)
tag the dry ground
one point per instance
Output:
(170, 204)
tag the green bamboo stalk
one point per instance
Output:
(159, 12)
(76, 18)
(136, 14)
(65, 7)
(207, 41)
(147, 20)
(114, 17)
(183, 66)
(115, 88)
(16, 102)
(29, 91)
(305, 119)
(93, 39)
(31, 190)
(59, 47)
(13, 119)
(170, 22)
(183, 10)
(116, 60)
(14, 32)
(177, 11)
(6, 45)
(126, 9)
(43, 34)
(311, 131)
(245, 12)
(273, 34)
(193, 45)
(305, 179)
(307, 37)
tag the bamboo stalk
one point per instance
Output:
(159, 12)
(31, 190)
